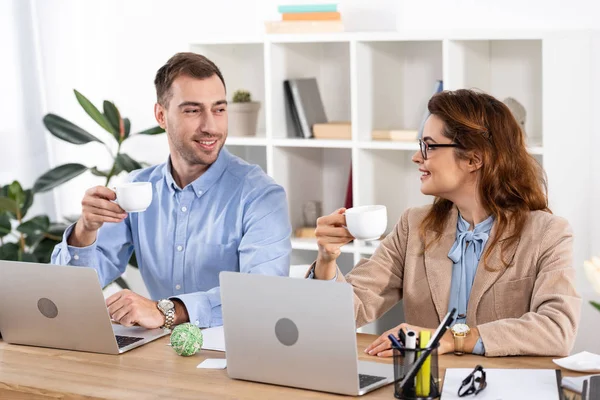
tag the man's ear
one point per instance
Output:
(475, 161)
(160, 115)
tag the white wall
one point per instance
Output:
(23, 150)
(111, 49)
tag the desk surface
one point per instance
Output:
(154, 371)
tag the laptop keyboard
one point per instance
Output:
(366, 380)
(123, 341)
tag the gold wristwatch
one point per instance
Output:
(460, 332)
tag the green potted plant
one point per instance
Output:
(34, 239)
(243, 114)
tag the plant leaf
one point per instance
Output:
(127, 124)
(97, 172)
(58, 176)
(10, 252)
(152, 131)
(7, 204)
(35, 226)
(126, 163)
(4, 191)
(114, 118)
(596, 305)
(28, 257)
(27, 202)
(43, 250)
(5, 225)
(15, 192)
(133, 260)
(67, 131)
(121, 282)
(93, 112)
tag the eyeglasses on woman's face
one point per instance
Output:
(475, 378)
(425, 147)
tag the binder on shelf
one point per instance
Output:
(306, 105)
(324, 26)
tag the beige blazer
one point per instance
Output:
(530, 308)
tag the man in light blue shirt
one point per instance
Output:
(210, 212)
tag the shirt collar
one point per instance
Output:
(206, 180)
(482, 227)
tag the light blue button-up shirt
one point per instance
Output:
(465, 254)
(234, 217)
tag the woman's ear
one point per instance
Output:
(475, 161)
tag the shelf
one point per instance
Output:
(311, 244)
(384, 145)
(258, 140)
(319, 143)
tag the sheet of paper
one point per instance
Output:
(213, 363)
(574, 383)
(505, 384)
(213, 338)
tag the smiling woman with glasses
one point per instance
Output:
(488, 245)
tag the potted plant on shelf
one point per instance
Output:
(243, 114)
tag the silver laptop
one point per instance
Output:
(295, 332)
(61, 307)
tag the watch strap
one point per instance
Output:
(459, 344)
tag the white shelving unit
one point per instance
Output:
(375, 81)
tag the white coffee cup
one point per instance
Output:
(134, 196)
(366, 222)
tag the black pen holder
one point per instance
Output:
(425, 385)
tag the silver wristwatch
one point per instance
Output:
(168, 309)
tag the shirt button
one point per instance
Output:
(184, 209)
(178, 287)
(76, 257)
(179, 248)
(197, 323)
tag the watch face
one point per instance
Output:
(165, 305)
(460, 329)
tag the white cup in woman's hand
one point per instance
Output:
(366, 222)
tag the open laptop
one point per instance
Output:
(295, 332)
(62, 307)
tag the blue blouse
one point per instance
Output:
(466, 253)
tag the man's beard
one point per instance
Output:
(191, 155)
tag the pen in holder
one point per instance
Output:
(426, 383)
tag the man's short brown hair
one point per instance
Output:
(191, 64)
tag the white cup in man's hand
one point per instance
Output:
(134, 196)
(366, 222)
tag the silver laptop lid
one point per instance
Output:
(54, 306)
(288, 331)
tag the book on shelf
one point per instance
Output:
(305, 105)
(306, 8)
(312, 16)
(333, 130)
(282, 27)
(399, 135)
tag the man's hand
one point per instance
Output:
(96, 209)
(382, 347)
(128, 309)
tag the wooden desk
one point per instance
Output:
(154, 371)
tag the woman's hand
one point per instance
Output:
(382, 347)
(331, 236)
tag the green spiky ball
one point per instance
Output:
(186, 339)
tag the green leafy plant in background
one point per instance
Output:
(112, 122)
(33, 240)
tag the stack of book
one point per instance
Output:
(307, 18)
